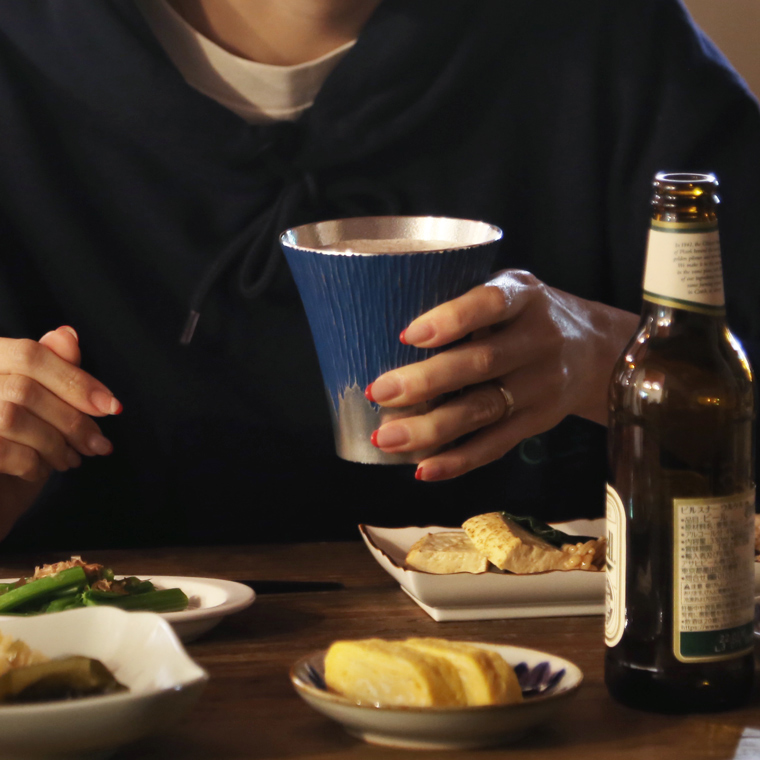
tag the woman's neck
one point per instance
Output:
(278, 32)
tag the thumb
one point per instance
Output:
(65, 343)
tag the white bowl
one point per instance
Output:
(548, 682)
(143, 653)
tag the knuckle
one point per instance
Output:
(8, 415)
(27, 463)
(77, 426)
(564, 377)
(19, 461)
(419, 383)
(19, 389)
(456, 322)
(488, 405)
(484, 360)
(448, 319)
(25, 353)
(558, 380)
(528, 279)
(434, 429)
(458, 463)
(72, 381)
(495, 301)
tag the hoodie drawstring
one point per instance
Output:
(258, 243)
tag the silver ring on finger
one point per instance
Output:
(509, 399)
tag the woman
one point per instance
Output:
(153, 151)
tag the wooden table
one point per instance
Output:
(250, 710)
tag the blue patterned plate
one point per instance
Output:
(547, 682)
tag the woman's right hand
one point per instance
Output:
(46, 407)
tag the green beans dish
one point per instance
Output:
(75, 583)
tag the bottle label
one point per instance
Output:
(713, 577)
(683, 267)
(614, 603)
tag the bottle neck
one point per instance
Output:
(661, 321)
(683, 267)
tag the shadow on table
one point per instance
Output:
(594, 725)
(253, 743)
(590, 729)
(263, 621)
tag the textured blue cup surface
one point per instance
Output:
(357, 305)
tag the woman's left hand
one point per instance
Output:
(536, 355)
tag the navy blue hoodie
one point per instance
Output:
(128, 199)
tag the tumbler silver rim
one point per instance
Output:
(316, 237)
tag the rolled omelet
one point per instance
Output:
(392, 673)
(486, 676)
(420, 672)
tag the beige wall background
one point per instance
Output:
(734, 26)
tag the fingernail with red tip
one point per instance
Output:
(373, 439)
(402, 337)
(368, 393)
(418, 332)
(106, 403)
(418, 474)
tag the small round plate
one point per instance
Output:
(211, 600)
(547, 682)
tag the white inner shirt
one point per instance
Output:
(257, 92)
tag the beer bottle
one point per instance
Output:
(681, 494)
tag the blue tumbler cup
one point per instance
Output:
(362, 281)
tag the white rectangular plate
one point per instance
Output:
(491, 595)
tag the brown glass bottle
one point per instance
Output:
(681, 494)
